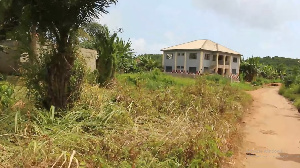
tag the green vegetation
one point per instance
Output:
(58, 29)
(155, 57)
(146, 119)
(257, 73)
(291, 85)
(279, 61)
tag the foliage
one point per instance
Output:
(6, 93)
(280, 62)
(57, 23)
(250, 68)
(106, 62)
(36, 78)
(184, 123)
(154, 80)
(125, 61)
(146, 63)
(155, 57)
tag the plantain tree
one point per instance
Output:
(114, 54)
(58, 21)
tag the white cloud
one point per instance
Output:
(269, 14)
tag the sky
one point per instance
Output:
(250, 27)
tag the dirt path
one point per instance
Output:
(271, 132)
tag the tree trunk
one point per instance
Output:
(33, 44)
(59, 73)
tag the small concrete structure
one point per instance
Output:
(10, 61)
(201, 56)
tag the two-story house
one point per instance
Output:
(201, 56)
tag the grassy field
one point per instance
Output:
(141, 120)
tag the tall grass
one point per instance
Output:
(292, 93)
(143, 120)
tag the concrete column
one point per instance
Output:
(217, 63)
(185, 61)
(201, 62)
(163, 61)
(224, 64)
(239, 61)
(230, 64)
(175, 61)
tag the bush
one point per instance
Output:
(217, 79)
(297, 103)
(282, 90)
(6, 93)
(37, 80)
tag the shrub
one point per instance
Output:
(217, 79)
(37, 79)
(6, 95)
(282, 90)
(297, 103)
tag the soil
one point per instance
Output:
(271, 132)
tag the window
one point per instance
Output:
(233, 71)
(180, 54)
(214, 57)
(206, 69)
(193, 56)
(207, 57)
(169, 68)
(169, 56)
(180, 67)
(192, 70)
(235, 59)
(226, 58)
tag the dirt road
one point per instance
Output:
(271, 132)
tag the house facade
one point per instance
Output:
(201, 56)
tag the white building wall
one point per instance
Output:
(235, 65)
(210, 62)
(193, 62)
(180, 58)
(196, 62)
(169, 62)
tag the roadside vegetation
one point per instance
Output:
(147, 119)
(126, 113)
(291, 87)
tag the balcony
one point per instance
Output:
(221, 62)
(222, 66)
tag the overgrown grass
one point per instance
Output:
(155, 80)
(143, 120)
(292, 93)
(262, 81)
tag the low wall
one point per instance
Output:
(10, 61)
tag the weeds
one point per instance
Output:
(171, 122)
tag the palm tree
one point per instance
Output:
(58, 21)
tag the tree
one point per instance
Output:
(250, 68)
(114, 53)
(59, 21)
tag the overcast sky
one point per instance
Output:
(251, 27)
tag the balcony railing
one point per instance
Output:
(221, 63)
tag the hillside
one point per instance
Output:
(274, 61)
